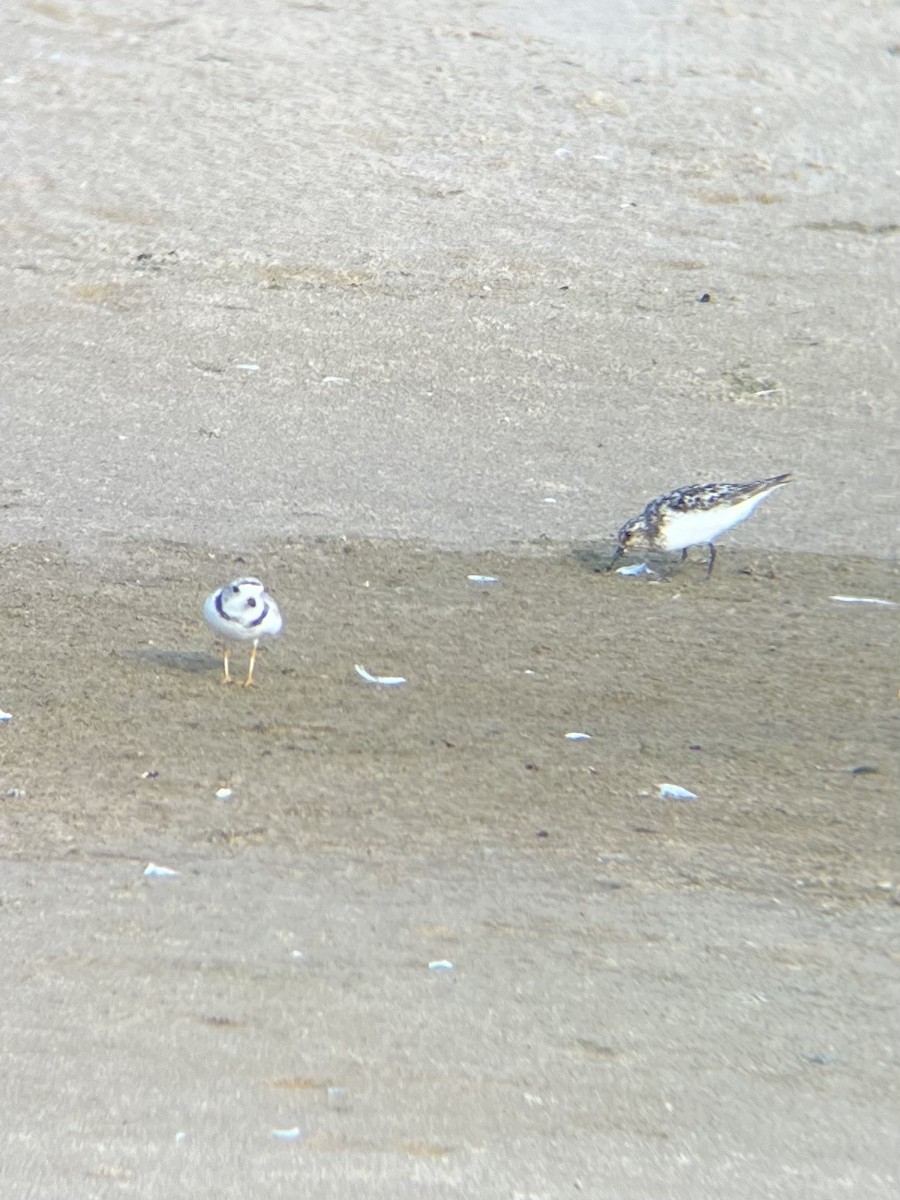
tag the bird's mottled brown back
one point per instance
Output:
(703, 496)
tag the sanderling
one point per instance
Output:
(694, 516)
(242, 611)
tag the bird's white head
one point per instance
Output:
(243, 599)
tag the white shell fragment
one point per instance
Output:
(246, 366)
(578, 737)
(865, 600)
(5, 716)
(671, 791)
(635, 569)
(482, 579)
(224, 793)
(440, 964)
(159, 872)
(286, 1135)
(384, 680)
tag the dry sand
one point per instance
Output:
(344, 295)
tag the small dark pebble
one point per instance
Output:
(695, 747)
(542, 833)
(864, 771)
(532, 767)
(705, 298)
(820, 1060)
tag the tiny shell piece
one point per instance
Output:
(160, 872)
(671, 791)
(635, 569)
(578, 737)
(384, 680)
(865, 600)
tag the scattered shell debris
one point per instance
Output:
(224, 793)
(671, 791)
(286, 1135)
(578, 737)
(246, 366)
(159, 872)
(383, 680)
(482, 579)
(440, 964)
(5, 716)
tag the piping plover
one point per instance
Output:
(242, 611)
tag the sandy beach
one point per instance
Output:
(368, 300)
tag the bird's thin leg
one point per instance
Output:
(227, 678)
(615, 558)
(248, 682)
(712, 559)
(683, 555)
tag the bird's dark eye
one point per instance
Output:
(251, 603)
(235, 588)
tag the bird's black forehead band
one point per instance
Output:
(262, 616)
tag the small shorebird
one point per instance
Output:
(242, 611)
(694, 516)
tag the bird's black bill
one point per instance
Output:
(615, 558)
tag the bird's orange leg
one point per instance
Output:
(248, 682)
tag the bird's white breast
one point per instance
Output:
(698, 527)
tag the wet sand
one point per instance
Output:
(692, 987)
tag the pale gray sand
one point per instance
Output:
(298, 269)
